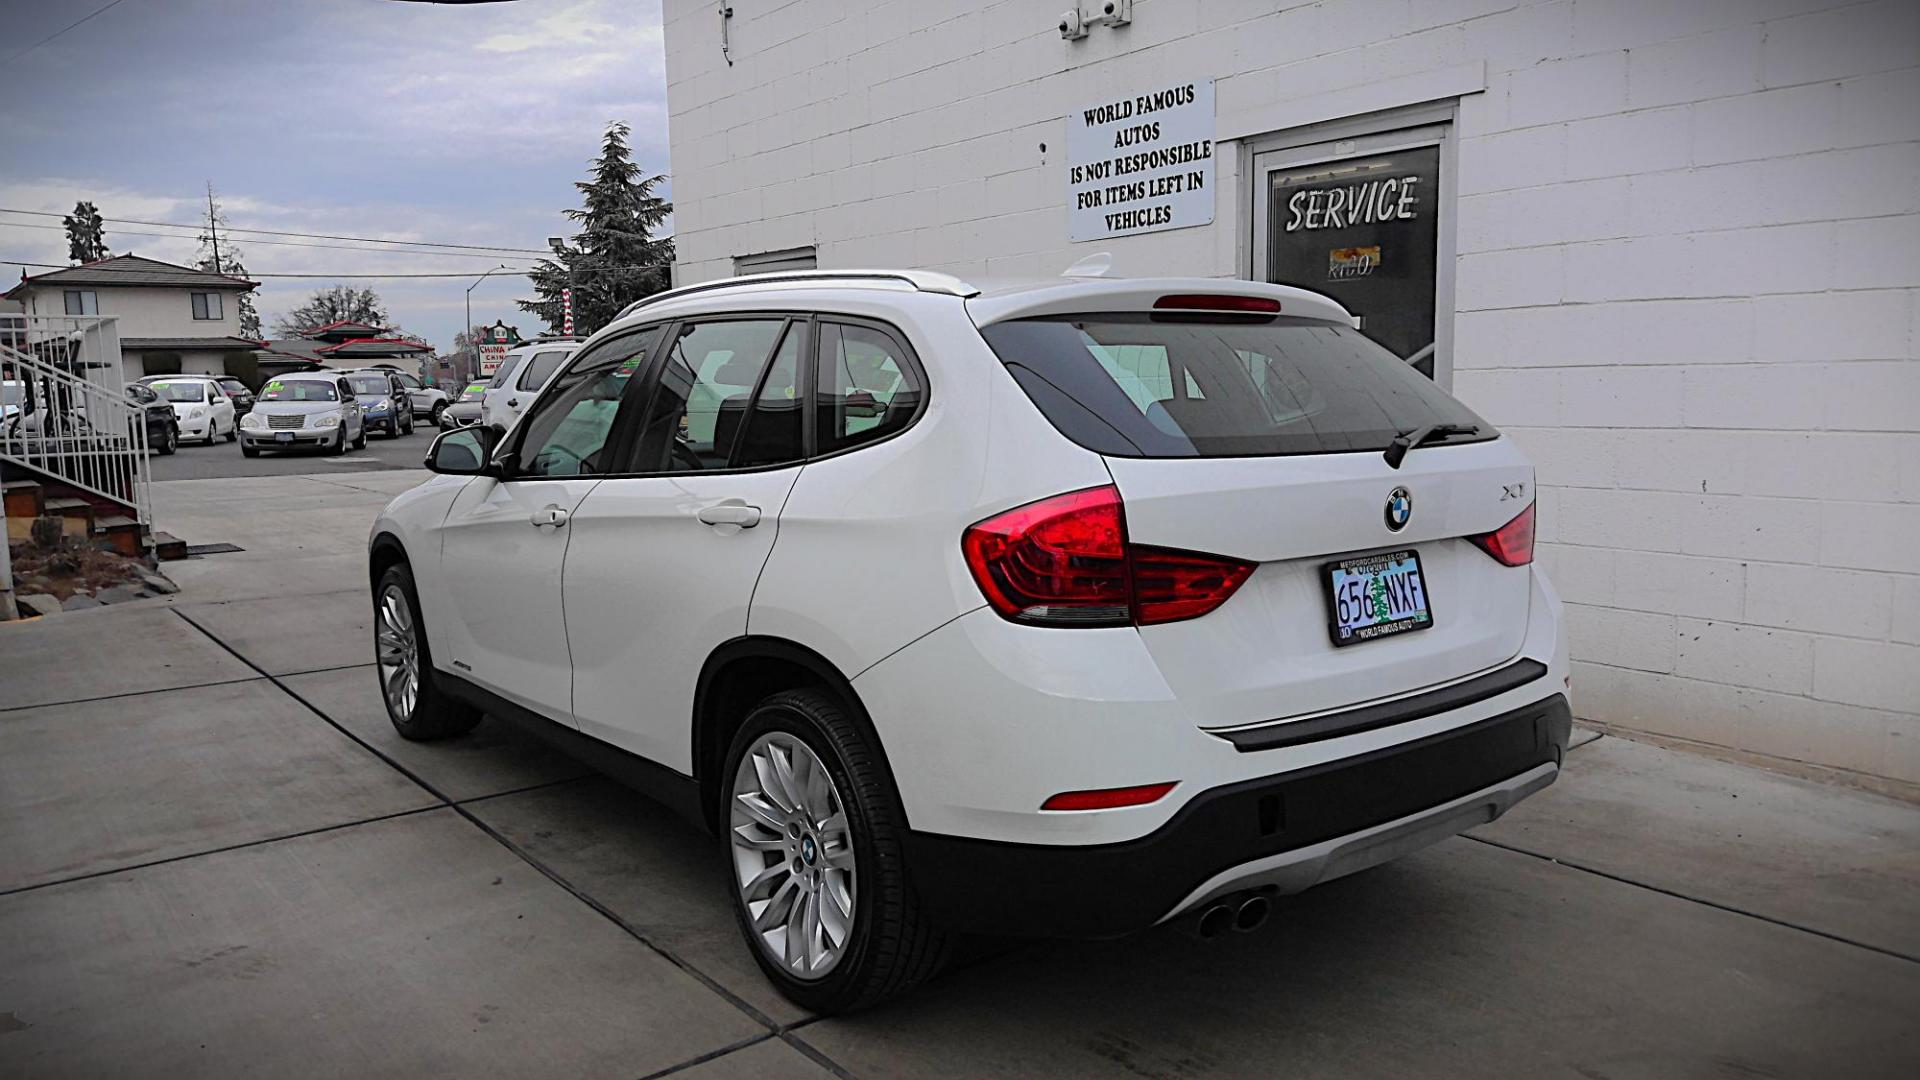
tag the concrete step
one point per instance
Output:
(168, 547)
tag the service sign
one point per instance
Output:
(1141, 163)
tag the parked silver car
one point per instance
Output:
(306, 410)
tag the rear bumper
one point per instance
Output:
(1281, 833)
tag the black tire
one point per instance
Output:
(440, 414)
(893, 946)
(233, 433)
(249, 451)
(360, 441)
(213, 432)
(339, 444)
(169, 441)
(435, 715)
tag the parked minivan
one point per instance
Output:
(1059, 608)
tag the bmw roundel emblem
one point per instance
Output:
(1399, 509)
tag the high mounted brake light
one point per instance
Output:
(1264, 305)
(1066, 562)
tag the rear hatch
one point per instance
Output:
(1262, 438)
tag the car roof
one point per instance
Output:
(996, 300)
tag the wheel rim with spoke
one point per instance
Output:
(793, 855)
(398, 652)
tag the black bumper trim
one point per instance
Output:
(1109, 890)
(1387, 713)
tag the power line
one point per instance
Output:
(200, 226)
(57, 33)
(462, 275)
(257, 240)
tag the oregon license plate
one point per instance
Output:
(1376, 596)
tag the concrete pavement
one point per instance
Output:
(215, 857)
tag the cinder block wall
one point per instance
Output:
(1688, 279)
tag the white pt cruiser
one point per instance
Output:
(1061, 608)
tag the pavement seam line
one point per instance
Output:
(1704, 902)
(133, 693)
(702, 1059)
(551, 874)
(242, 846)
(814, 1054)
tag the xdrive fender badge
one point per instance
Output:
(1399, 509)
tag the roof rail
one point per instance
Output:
(922, 281)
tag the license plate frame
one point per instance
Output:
(283, 436)
(1330, 583)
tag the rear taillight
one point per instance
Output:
(1510, 544)
(1107, 798)
(1065, 561)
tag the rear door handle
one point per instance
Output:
(549, 515)
(730, 513)
(513, 403)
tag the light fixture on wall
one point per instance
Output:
(1076, 24)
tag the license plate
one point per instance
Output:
(1376, 596)
(284, 436)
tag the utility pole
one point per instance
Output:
(473, 344)
(213, 228)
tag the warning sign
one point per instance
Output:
(1141, 163)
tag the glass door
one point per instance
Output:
(1367, 221)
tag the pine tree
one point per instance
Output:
(218, 255)
(614, 259)
(86, 233)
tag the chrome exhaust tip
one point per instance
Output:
(1214, 921)
(1251, 913)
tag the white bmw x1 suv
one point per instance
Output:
(1061, 608)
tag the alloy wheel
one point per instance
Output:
(793, 855)
(397, 651)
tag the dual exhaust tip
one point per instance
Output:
(1245, 913)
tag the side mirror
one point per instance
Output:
(463, 452)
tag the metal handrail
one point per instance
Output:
(74, 422)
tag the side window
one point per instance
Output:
(535, 372)
(346, 390)
(706, 384)
(866, 389)
(505, 371)
(567, 433)
(772, 433)
(408, 382)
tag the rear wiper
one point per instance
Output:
(1407, 440)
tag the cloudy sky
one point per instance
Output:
(378, 118)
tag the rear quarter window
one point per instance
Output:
(1163, 386)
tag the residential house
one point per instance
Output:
(171, 319)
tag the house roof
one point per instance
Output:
(193, 343)
(375, 346)
(343, 330)
(133, 270)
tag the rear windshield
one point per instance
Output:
(1160, 386)
(300, 390)
(181, 391)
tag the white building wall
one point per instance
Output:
(147, 312)
(1687, 276)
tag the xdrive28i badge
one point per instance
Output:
(1399, 509)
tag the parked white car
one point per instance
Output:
(1065, 608)
(306, 410)
(522, 374)
(201, 405)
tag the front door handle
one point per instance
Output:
(730, 513)
(549, 515)
(513, 403)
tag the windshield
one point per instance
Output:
(1147, 386)
(299, 390)
(473, 391)
(370, 385)
(181, 391)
